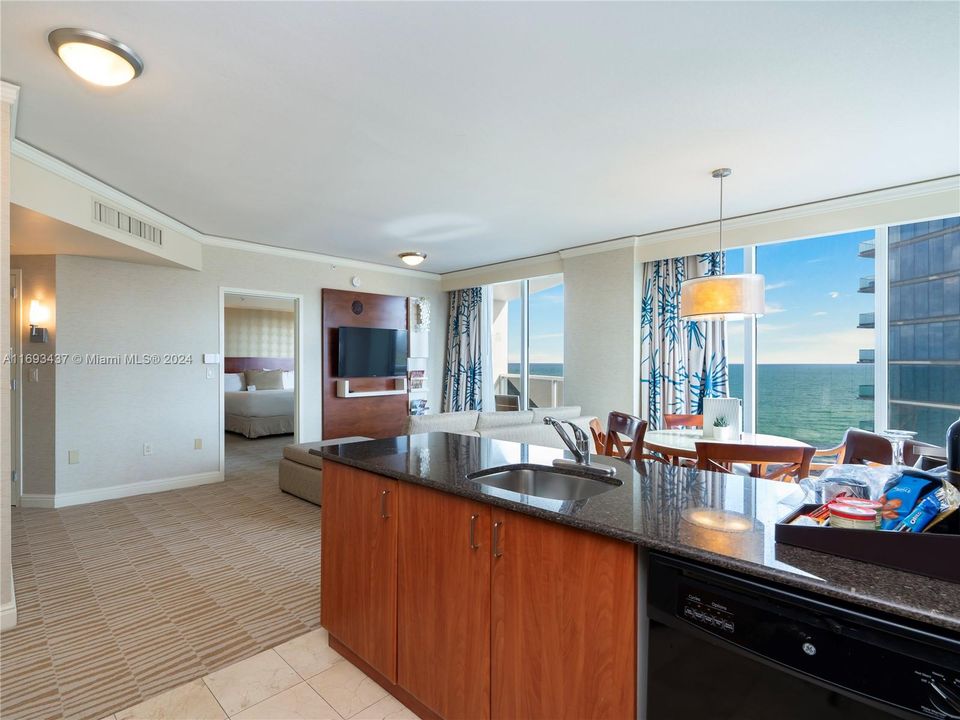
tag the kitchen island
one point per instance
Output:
(430, 579)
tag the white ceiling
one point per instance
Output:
(481, 132)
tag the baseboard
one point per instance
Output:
(8, 611)
(82, 497)
(34, 500)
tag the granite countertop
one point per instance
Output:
(663, 508)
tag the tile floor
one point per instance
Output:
(302, 679)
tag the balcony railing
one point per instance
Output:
(866, 284)
(867, 320)
(867, 249)
(866, 356)
(865, 392)
(545, 390)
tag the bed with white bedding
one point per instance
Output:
(260, 412)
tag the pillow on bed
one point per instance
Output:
(288, 381)
(233, 382)
(265, 379)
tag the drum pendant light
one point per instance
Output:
(722, 297)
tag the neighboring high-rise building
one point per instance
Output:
(924, 327)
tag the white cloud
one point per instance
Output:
(834, 347)
(834, 294)
(779, 285)
(774, 308)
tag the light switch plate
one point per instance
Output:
(73, 457)
(211, 373)
(211, 358)
(198, 444)
(147, 449)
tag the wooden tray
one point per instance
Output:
(934, 554)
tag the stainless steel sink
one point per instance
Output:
(542, 481)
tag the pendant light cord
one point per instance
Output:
(721, 214)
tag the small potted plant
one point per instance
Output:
(722, 430)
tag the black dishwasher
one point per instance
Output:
(725, 646)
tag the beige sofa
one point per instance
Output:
(301, 472)
(523, 426)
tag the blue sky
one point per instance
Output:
(812, 306)
(546, 327)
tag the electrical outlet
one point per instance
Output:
(34, 375)
(198, 444)
(73, 457)
(147, 449)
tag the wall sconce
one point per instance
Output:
(38, 315)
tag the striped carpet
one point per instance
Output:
(120, 600)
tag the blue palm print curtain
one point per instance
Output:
(682, 362)
(463, 371)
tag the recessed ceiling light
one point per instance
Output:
(96, 58)
(413, 258)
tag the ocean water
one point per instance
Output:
(812, 403)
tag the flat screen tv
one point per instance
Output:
(371, 352)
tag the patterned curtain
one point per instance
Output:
(463, 368)
(682, 362)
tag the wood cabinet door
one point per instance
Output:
(444, 602)
(563, 613)
(358, 564)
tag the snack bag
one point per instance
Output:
(932, 508)
(901, 498)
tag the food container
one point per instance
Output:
(852, 517)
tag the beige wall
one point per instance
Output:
(38, 282)
(258, 333)
(601, 327)
(108, 412)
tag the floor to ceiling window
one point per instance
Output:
(528, 343)
(862, 330)
(815, 344)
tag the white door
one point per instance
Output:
(16, 391)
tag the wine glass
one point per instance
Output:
(897, 438)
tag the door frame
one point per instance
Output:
(16, 378)
(297, 356)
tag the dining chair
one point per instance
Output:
(913, 450)
(599, 436)
(621, 424)
(785, 463)
(858, 447)
(671, 422)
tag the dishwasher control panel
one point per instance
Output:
(710, 615)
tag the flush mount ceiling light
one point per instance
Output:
(95, 57)
(722, 297)
(413, 258)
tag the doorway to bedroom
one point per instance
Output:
(260, 353)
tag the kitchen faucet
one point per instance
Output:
(579, 448)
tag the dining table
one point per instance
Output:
(678, 445)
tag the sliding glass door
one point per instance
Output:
(527, 343)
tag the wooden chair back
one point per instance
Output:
(599, 436)
(861, 447)
(622, 424)
(671, 422)
(789, 463)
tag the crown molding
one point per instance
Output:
(604, 246)
(306, 255)
(68, 172)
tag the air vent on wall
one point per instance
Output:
(125, 223)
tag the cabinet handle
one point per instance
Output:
(383, 504)
(473, 532)
(496, 540)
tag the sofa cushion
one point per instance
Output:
(533, 434)
(504, 419)
(567, 412)
(444, 422)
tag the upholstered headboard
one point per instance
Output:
(239, 364)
